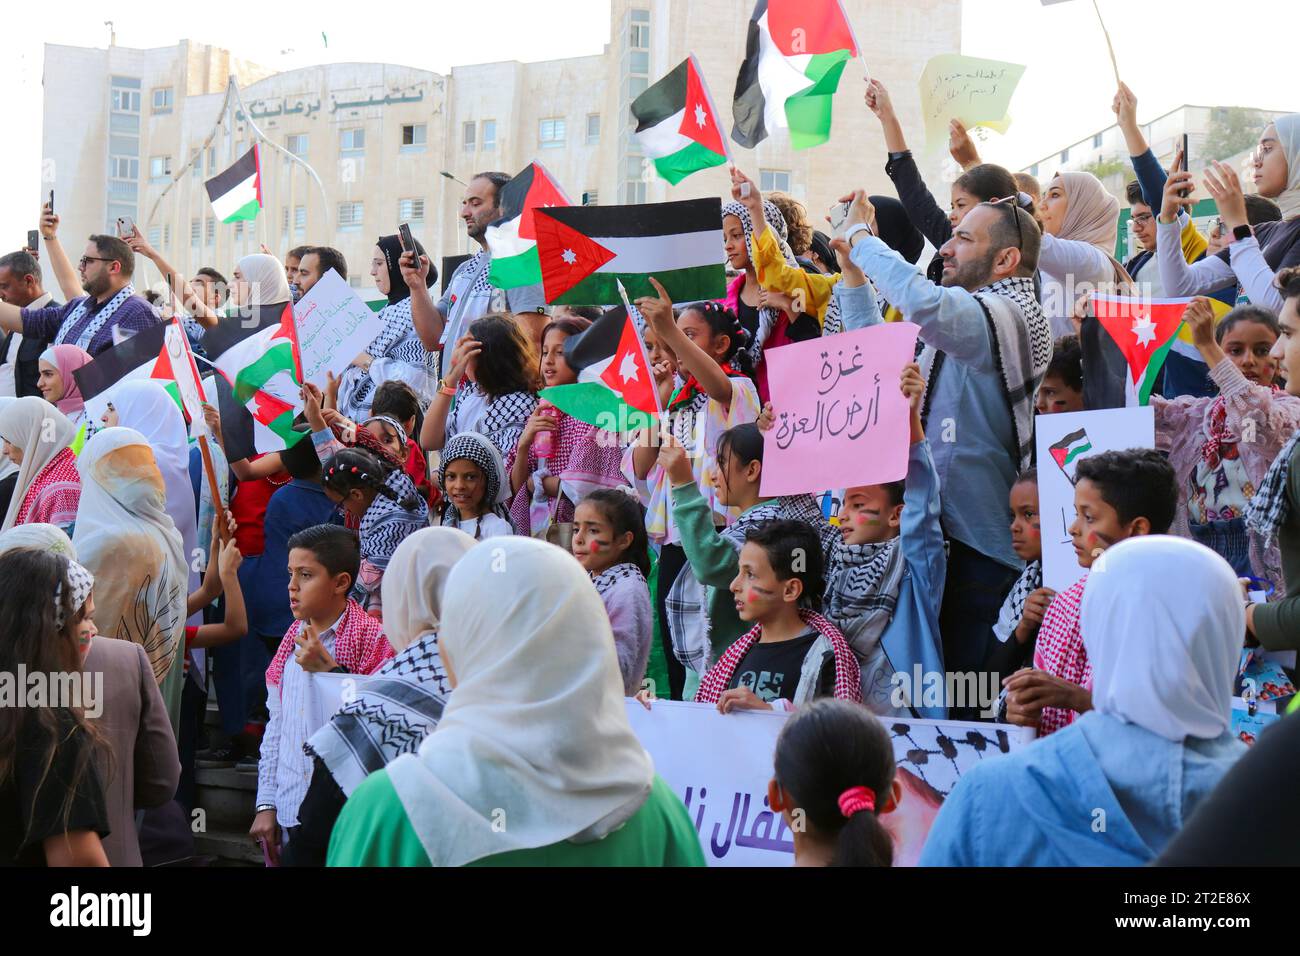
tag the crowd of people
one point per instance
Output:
(508, 576)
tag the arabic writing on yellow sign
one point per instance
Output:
(967, 88)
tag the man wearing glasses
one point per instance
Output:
(100, 295)
(987, 347)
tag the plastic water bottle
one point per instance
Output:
(544, 443)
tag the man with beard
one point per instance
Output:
(987, 347)
(101, 301)
(469, 296)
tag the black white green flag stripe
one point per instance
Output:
(236, 193)
(584, 251)
(512, 239)
(677, 124)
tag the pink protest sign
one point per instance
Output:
(841, 419)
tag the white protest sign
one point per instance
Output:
(1062, 440)
(334, 326)
(720, 766)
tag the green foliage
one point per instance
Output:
(1106, 167)
(1232, 130)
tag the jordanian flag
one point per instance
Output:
(794, 56)
(264, 373)
(677, 124)
(586, 250)
(615, 388)
(236, 193)
(160, 352)
(1069, 450)
(1144, 330)
(512, 239)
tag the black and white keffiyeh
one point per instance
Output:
(767, 318)
(1022, 349)
(387, 522)
(390, 715)
(862, 586)
(479, 449)
(1013, 608)
(501, 420)
(1268, 508)
(81, 583)
(611, 576)
(98, 322)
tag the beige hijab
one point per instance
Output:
(42, 432)
(1091, 216)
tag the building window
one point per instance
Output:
(413, 137)
(160, 167)
(468, 137)
(1065, 155)
(212, 160)
(125, 167)
(634, 192)
(299, 222)
(155, 236)
(167, 236)
(351, 216)
(209, 231)
(239, 230)
(550, 133)
(1096, 141)
(126, 101)
(639, 36)
(593, 129)
(162, 100)
(196, 231)
(489, 136)
(297, 144)
(352, 143)
(591, 198)
(410, 210)
(777, 180)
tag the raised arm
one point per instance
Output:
(428, 321)
(1180, 277)
(690, 357)
(184, 292)
(64, 271)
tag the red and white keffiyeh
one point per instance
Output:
(1060, 652)
(54, 495)
(848, 675)
(359, 645)
(582, 457)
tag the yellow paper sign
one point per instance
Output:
(967, 88)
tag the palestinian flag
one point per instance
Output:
(512, 239)
(1144, 330)
(263, 372)
(677, 124)
(160, 352)
(794, 56)
(236, 193)
(615, 388)
(585, 251)
(1069, 450)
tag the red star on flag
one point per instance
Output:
(698, 122)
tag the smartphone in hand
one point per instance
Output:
(839, 214)
(51, 202)
(125, 227)
(33, 239)
(1182, 167)
(408, 242)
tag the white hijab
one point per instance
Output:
(266, 276)
(23, 425)
(416, 580)
(145, 406)
(38, 537)
(1163, 622)
(7, 467)
(127, 540)
(1288, 134)
(535, 728)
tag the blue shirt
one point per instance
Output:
(1100, 792)
(132, 315)
(969, 423)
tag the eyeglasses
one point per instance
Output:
(1012, 203)
(85, 259)
(1141, 219)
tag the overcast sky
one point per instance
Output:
(1206, 52)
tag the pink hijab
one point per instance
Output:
(67, 359)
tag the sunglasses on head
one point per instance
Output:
(1012, 203)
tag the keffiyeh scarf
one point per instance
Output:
(359, 645)
(501, 419)
(610, 576)
(1059, 650)
(390, 716)
(767, 318)
(862, 587)
(387, 522)
(1013, 608)
(396, 340)
(98, 322)
(1022, 349)
(55, 495)
(847, 673)
(1269, 508)
(582, 457)
(476, 448)
(82, 582)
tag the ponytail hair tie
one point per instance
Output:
(856, 799)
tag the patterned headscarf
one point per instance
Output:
(82, 583)
(471, 446)
(767, 318)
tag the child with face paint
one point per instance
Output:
(791, 655)
(1117, 495)
(609, 540)
(1022, 612)
(701, 613)
(886, 574)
